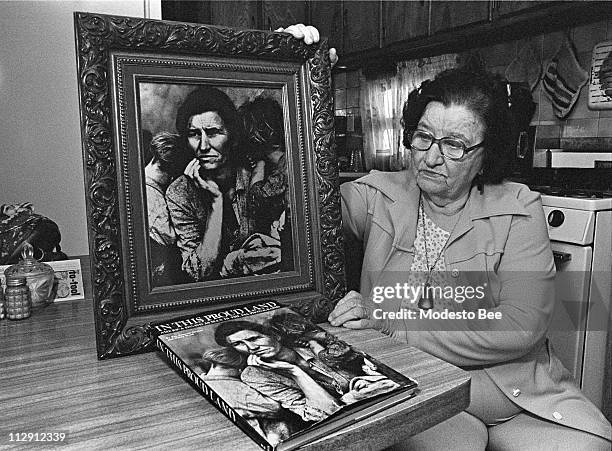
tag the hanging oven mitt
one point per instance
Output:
(563, 79)
(525, 68)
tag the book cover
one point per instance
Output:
(282, 379)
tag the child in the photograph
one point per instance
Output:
(268, 192)
(168, 160)
(266, 415)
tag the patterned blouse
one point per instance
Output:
(429, 243)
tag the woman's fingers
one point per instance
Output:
(311, 34)
(308, 33)
(344, 305)
(189, 169)
(206, 184)
(333, 56)
(297, 31)
(351, 307)
(360, 324)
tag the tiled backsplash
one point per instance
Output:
(582, 129)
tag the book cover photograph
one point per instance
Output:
(282, 379)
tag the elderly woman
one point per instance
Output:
(452, 214)
(208, 202)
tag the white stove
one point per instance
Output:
(580, 230)
(578, 203)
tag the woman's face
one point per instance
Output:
(256, 343)
(440, 176)
(209, 139)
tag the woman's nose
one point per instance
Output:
(434, 157)
(251, 346)
(204, 144)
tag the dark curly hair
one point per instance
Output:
(489, 97)
(207, 98)
(224, 330)
(262, 120)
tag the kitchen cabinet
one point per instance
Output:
(504, 8)
(404, 20)
(186, 11)
(254, 14)
(237, 13)
(361, 25)
(447, 15)
(327, 17)
(369, 32)
(277, 14)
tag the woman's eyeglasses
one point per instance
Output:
(451, 148)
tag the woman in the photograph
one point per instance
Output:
(168, 161)
(291, 376)
(208, 202)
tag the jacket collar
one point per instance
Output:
(401, 189)
(403, 193)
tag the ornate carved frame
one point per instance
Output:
(104, 43)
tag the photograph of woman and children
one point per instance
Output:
(216, 182)
(281, 373)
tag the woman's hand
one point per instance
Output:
(355, 312)
(279, 365)
(310, 35)
(193, 172)
(316, 395)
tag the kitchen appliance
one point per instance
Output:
(580, 230)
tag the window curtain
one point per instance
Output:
(382, 100)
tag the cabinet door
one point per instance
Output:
(237, 13)
(504, 8)
(186, 11)
(361, 27)
(327, 17)
(283, 13)
(404, 20)
(450, 14)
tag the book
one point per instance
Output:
(283, 380)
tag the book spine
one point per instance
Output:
(211, 395)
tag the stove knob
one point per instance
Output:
(556, 218)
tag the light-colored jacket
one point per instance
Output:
(501, 240)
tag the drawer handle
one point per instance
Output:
(561, 257)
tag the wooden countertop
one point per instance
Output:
(52, 382)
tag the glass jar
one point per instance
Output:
(40, 277)
(18, 301)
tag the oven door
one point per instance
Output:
(567, 330)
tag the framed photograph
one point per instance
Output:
(210, 172)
